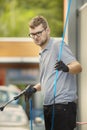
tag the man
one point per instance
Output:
(64, 103)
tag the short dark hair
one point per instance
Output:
(36, 21)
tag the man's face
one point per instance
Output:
(40, 35)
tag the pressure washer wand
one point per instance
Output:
(14, 98)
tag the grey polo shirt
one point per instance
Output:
(66, 89)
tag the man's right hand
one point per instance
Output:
(30, 91)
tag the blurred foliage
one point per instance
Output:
(15, 15)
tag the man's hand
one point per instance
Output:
(61, 66)
(30, 91)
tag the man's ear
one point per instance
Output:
(48, 30)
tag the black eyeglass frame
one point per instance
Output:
(38, 34)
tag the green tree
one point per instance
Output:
(15, 15)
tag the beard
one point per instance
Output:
(42, 42)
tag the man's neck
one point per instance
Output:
(44, 45)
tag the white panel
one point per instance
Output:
(19, 60)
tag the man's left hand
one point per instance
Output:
(61, 66)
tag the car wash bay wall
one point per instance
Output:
(82, 55)
(77, 38)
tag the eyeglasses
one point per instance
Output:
(38, 34)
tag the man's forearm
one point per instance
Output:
(74, 67)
